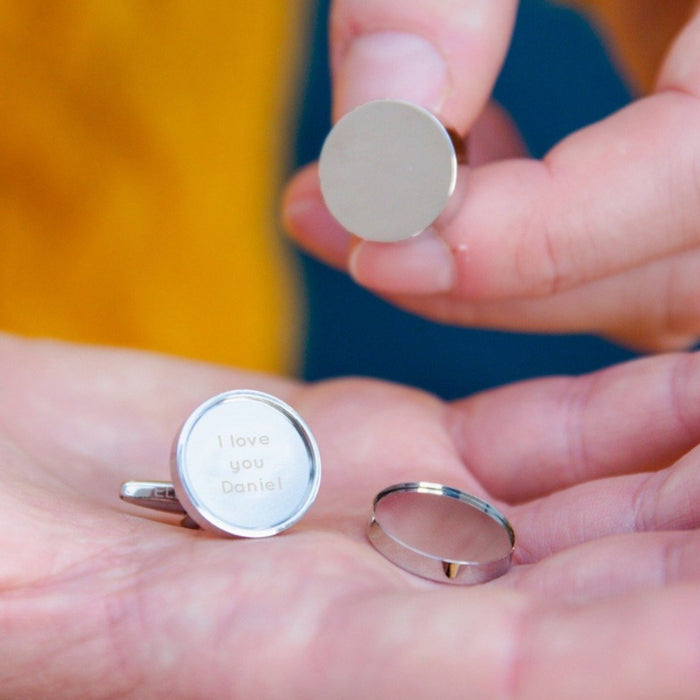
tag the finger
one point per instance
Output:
(616, 195)
(681, 70)
(441, 54)
(665, 500)
(612, 565)
(494, 136)
(650, 308)
(529, 439)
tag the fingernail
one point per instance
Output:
(421, 265)
(390, 65)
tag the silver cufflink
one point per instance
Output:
(243, 464)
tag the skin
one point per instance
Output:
(600, 476)
(601, 235)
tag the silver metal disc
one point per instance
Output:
(245, 464)
(441, 533)
(387, 170)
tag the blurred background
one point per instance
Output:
(143, 147)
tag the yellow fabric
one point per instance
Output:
(641, 32)
(141, 145)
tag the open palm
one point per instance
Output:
(599, 476)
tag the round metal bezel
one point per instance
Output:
(199, 511)
(429, 565)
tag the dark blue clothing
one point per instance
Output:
(557, 78)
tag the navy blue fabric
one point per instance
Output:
(556, 79)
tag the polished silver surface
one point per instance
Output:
(244, 464)
(158, 495)
(387, 170)
(441, 533)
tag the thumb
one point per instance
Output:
(440, 54)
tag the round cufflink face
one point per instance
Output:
(245, 464)
(387, 170)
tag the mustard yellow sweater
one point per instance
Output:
(141, 148)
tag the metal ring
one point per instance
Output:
(441, 533)
(243, 464)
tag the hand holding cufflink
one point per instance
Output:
(527, 246)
